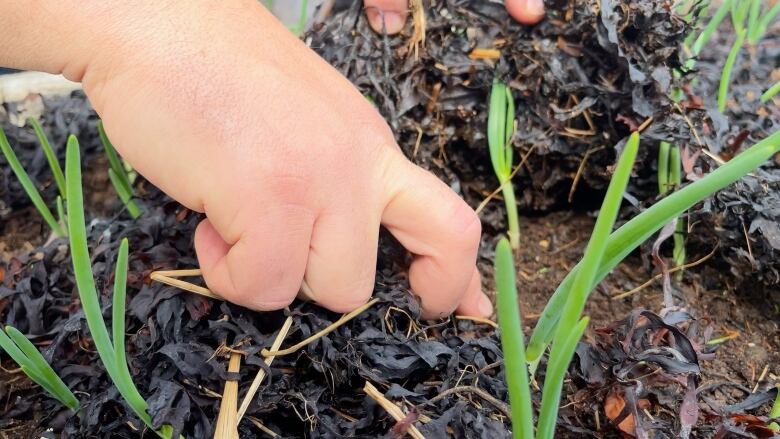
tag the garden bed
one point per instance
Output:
(581, 79)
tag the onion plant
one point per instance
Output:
(512, 342)
(670, 178)
(29, 185)
(770, 93)
(572, 325)
(32, 363)
(631, 234)
(118, 175)
(501, 121)
(51, 157)
(750, 21)
(111, 353)
(561, 323)
(774, 413)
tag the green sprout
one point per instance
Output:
(32, 363)
(111, 354)
(675, 178)
(302, 18)
(512, 343)
(571, 326)
(774, 413)
(118, 175)
(771, 92)
(631, 234)
(561, 323)
(670, 178)
(708, 31)
(51, 157)
(29, 186)
(501, 120)
(750, 22)
(725, 77)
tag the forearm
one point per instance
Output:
(71, 37)
(49, 35)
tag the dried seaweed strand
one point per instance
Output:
(261, 373)
(227, 423)
(501, 406)
(332, 327)
(660, 275)
(392, 409)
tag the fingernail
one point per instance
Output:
(485, 306)
(535, 8)
(393, 21)
(525, 11)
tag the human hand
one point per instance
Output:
(394, 13)
(223, 109)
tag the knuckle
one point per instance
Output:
(289, 188)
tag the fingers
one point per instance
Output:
(386, 15)
(443, 234)
(526, 11)
(264, 268)
(475, 303)
(342, 259)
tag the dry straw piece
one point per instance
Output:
(335, 325)
(169, 277)
(392, 409)
(261, 373)
(227, 423)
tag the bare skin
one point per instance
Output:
(394, 13)
(227, 112)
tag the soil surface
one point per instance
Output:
(582, 78)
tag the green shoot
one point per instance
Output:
(758, 29)
(774, 413)
(512, 343)
(24, 353)
(571, 325)
(124, 194)
(51, 157)
(709, 29)
(61, 213)
(629, 236)
(29, 186)
(739, 12)
(771, 92)
(501, 119)
(669, 165)
(663, 167)
(302, 18)
(114, 362)
(118, 175)
(675, 178)
(725, 77)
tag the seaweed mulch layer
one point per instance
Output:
(316, 392)
(583, 79)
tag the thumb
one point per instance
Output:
(526, 11)
(386, 15)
